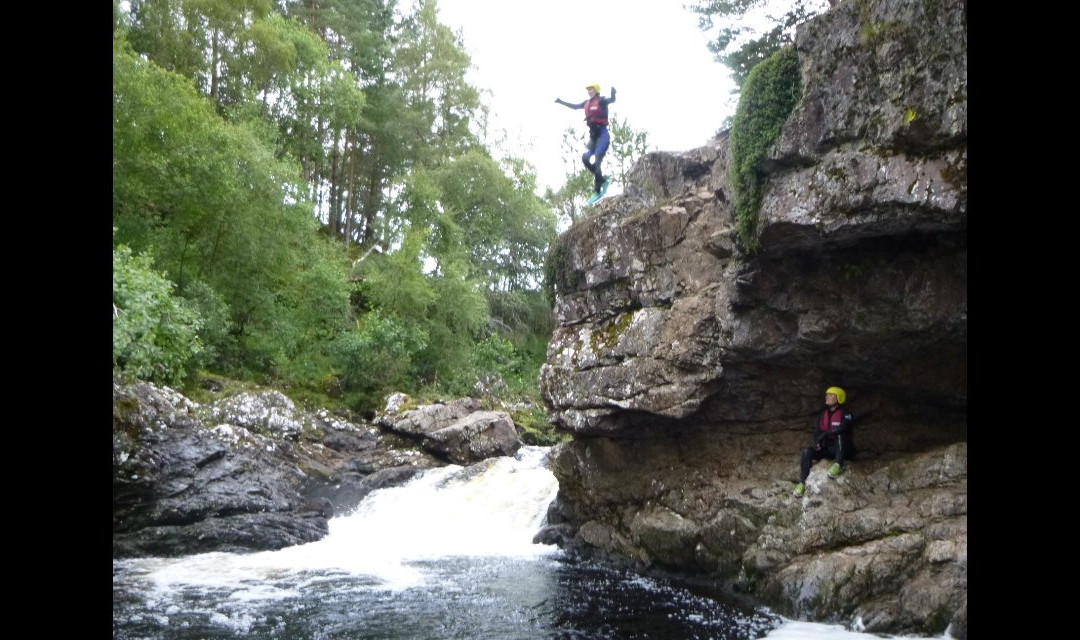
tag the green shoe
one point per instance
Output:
(800, 489)
(604, 186)
(593, 198)
(835, 470)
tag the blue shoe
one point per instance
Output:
(604, 186)
(593, 198)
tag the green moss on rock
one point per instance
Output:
(536, 428)
(607, 337)
(769, 95)
(559, 274)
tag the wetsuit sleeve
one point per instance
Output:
(612, 98)
(568, 104)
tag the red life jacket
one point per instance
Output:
(595, 111)
(830, 418)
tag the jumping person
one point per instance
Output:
(596, 116)
(834, 438)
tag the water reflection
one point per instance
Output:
(461, 597)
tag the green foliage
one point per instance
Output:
(455, 323)
(752, 30)
(216, 332)
(521, 312)
(627, 147)
(310, 309)
(377, 358)
(211, 42)
(447, 308)
(772, 90)
(496, 367)
(432, 62)
(742, 60)
(395, 282)
(538, 430)
(154, 331)
(255, 141)
(560, 277)
(568, 202)
(215, 203)
(471, 259)
(495, 223)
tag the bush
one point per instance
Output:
(377, 358)
(215, 331)
(155, 333)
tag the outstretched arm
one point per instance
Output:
(612, 98)
(569, 104)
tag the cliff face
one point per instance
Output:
(686, 368)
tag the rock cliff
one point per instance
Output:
(686, 366)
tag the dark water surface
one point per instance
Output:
(447, 556)
(501, 598)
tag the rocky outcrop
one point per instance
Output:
(251, 471)
(685, 367)
(459, 431)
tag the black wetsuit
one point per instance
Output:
(834, 439)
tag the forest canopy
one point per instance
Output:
(302, 197)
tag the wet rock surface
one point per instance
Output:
(251, 471)
(685, 366)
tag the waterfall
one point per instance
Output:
(491, 508)
(447, 556)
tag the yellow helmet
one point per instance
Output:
(841, 396)
(593, 85)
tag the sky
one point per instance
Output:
(526, 53)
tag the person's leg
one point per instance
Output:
(808, 457)
(842, 453)
(588, 154)
(835, 451)
(809, 454)
(590, 150)
(600, 149)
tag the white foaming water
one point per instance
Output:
(493, 508)
(794, 630)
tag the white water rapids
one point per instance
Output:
(457, 535)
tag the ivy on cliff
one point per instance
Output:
(559, 274)
(770, 93)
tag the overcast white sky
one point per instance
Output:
(529, 52)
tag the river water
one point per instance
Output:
(447, 556)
